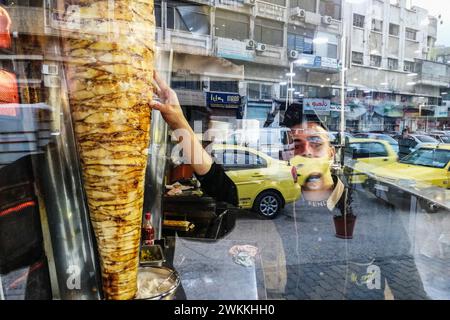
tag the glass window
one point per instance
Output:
(300, 39)
(392, 64)
(357, 57)
(394, 29)
(269, 32)
(224, 86)
(233, 159)
(260, 91)
(277, 2)
(408, 66)
(377, 25)
(192, 18)
(375, 61)
(358, 20)
(435, 158)
(411, 34)
(308, 5)
(332, 51)
(367, 150)
(253, 90)
(187, 82)
(232, 25)
(158, 13)
(426, 139)
(330, 8)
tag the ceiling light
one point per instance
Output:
(290, 74)
(283, 83)
(412, 74)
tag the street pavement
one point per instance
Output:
(394, 254)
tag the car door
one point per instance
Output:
(247, 170)
(368, 156)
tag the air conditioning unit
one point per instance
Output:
(50, 69)
(298, 12)
(250, 2)
(250, 44)
(293, 54)
(260, 47)
(327, 20)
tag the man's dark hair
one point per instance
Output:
(294, 115)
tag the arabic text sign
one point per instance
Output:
(223, 100)
(312, 61)
(441, 111)
(319, 106)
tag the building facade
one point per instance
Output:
(390, 71)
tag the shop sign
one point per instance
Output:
(233, 49)
(337, 108)
(319, 106)
(312, 61)
(441, 111)
(329, 63)
(223, 100)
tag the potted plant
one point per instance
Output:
(345, 222)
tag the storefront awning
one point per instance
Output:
(208, 66)
(390, 110)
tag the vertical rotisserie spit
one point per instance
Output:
(109, 55)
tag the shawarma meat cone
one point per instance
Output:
(109, 67)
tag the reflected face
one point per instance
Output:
(312, 141)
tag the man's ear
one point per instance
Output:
(332, 152)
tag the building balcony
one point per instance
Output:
(271, 11)
(434, 80)
(432, 73)
(184, 42)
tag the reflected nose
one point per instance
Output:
(307, 152)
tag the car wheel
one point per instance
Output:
(268, 204)
(428, 206)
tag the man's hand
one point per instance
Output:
(169, 106)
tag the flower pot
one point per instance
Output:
(344, 226)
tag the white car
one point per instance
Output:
(277, 143)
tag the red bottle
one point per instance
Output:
(148, 231)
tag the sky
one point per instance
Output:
(438, 7)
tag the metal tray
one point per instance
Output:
(156, 252)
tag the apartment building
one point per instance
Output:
(246, 47)
(389, 71)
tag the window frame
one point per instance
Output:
(354, 53)
(359, 20)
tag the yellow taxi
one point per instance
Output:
(264, 184)
(424, 170)
(363, 155)
(426, 167)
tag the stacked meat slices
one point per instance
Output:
(109, 71)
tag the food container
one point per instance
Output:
(157, 283)
(152, 255)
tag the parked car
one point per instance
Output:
(277, 143)
(426, 167)
(379, 136)
(441, 137)
(264, 184)
(334, 136)
(363, 155)
(412, 142)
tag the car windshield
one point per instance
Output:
(426, 139)
(445, 139)
(435, 158)
(387, 138)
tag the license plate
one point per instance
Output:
(381, 187)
